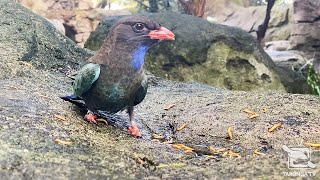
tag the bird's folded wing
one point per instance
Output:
(142, 91)
(85, 78)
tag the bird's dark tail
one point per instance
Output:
(74, 100)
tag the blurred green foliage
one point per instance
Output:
(313, 81)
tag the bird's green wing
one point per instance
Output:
(142, 91)
(85, 78)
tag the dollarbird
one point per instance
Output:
(114, 78)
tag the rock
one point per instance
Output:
(36, 6)
(305, 27)
(279, 16)
(30, 126)
(277, 45)
(30, 39)
(214, 54)
(278, 33)
(291, 59)
(80, 17)
(58, 23)
(234, 15)
(292, 66)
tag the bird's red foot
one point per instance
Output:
(134, 130)
(91, 118)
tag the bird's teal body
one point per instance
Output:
(116, 95)
(114, 78)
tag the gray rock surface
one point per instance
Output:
(290, 59)
(306, 24)
(305, 28)
(281, 45)
(249, 18)
(29, 125)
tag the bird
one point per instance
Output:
(113, 80)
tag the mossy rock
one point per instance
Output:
(26, 38)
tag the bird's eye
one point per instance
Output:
(138, 27)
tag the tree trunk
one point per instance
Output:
(194, 7)
(262, 29)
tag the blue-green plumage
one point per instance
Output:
(85, 78)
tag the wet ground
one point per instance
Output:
(30, 128)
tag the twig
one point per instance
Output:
(262, 29)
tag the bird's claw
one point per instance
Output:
(134, 130)
(91, 118)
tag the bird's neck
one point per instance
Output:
(138, 57)
(118, 55)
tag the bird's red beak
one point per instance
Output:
(162, 34)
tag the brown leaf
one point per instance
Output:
(167, 108)
(62, 142)
(182, 127)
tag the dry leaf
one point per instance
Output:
(258, 152)
(62, 142)
(230, 132)
(212, 149)
(220, 150)
(182, 146)
(312, 144)
(254, 116)
(168, 142)
(138, 159)
(59, 117)
(157, 136)
(274, 127)
(224, 154)
(169, 107)
(182, 127)
(233, 154)
(176, 146)
(248, 111)
(210, 157)
(155, 140)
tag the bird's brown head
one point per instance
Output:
(135, 35)
(130, 39)
(140, 29)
